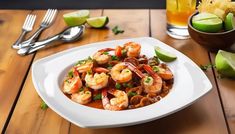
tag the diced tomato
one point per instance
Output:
(118, 51)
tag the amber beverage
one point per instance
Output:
(178, 12)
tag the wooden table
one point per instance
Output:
(20, 110)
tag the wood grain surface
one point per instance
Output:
(12, 71)
(20, 104)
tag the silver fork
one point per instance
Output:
(46, 22)
(27, 27)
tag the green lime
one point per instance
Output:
(225, 63)
(207, 22)
(229, 22)
(98, 22)
(76, 18)
(164, 55)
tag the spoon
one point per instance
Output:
(68, 35)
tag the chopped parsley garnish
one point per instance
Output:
(43, 105)
(124, 52)
(80, 62)
(97, 97)
(89, 72)
(148, 79)
(118, 86)
(106, 53)
(113, 57)
(117, 31)
(155, 68)
(131, 94)
(205, 67)
(124, 84)
(109, 68)
(129, 85)
(81, 89)
(70, 74)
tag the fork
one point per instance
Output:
(46, 22)
(27, 27)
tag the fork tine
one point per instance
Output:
(52, 15)
(29, 21)
(26, 20)
(30, 26)
(46, 15)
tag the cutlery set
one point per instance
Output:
(32, 44)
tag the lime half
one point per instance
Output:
(207, 22)
(229, 22)
(164, 55)
(225, 63)
(98, 22)
(76, 18)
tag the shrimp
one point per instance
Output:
(72, 85)
(119, 102)
(101, 57)
(97, 81)
(120, 73)
(82, 97)
(84, 66)
(133, 49)
(152, 83)
(164, 72)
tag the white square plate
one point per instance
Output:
(190, 83)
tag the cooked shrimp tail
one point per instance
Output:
(100, 70)
(72, 85)
(134, 69)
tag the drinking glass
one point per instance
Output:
(178, 12)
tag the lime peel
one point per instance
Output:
(76, 18)
(98, 22)
(229, 22)
(164, 55)
(225, 63)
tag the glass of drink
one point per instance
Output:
(178, 12)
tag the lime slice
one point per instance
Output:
(164, 55)
(225, 63)
(98, 22)
(229, 22)
(76, 18)
(207, 22)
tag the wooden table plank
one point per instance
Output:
(206, 113)
(227, 91)
(136, 24)
(12, 71)
(28, 106)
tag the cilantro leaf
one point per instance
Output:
(117, 31)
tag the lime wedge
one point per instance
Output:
(76, 18)
(229, 22)
(98, 22)
(207, 22)
(164, 55)
(225, 63)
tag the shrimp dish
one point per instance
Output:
(118, 79)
